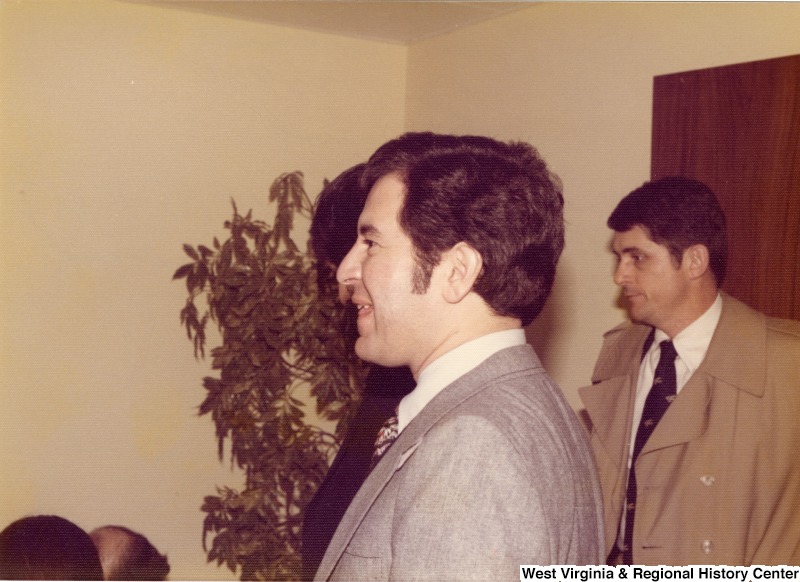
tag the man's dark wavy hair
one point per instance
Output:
(500, 198)
(677, 212)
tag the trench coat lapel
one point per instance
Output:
(606, 405)
(687, 417)
(740, 331)
(609, 400)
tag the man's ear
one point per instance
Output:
(696, 260)
(464, 265)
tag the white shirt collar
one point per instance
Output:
(692, 343)
(447, 368)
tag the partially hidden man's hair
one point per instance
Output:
(500, 198)
(336, 212)
(128, 555)
(677, 212)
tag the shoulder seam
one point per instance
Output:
(784, 326)
(614, 330)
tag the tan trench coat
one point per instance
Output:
(719, 479)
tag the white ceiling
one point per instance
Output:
(384, 20)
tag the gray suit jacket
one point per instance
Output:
(495, 472)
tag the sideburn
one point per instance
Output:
(421, 277)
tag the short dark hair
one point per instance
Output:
(677, 212)
(334, 226)
(500, 198)
(47, 547)
(128, 555)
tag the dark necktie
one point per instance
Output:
(386, 436)
(658, 400)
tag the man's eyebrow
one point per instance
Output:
(368, 230)
(626, 251)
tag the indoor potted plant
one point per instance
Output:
(284, 340)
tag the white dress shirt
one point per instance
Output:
(447, 368)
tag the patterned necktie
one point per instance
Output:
(386, 436)
(658, 400)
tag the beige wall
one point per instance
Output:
(126, 129)
(575, 79)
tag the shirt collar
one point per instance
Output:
(692, 343)
(447, 368)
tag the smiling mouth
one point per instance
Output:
(363, 308)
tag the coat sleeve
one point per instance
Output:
(468, 508)
(778, 472)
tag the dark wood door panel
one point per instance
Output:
(737, 128)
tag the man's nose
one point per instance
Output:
(621, 273)
(350, 268)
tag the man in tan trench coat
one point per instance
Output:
(718, 479)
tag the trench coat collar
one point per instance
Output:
(609, 402)
(741, 331)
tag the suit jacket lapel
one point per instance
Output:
(507, 361)
(375, 483)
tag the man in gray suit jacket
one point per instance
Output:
(456, 251)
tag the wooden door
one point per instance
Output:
(737, 128)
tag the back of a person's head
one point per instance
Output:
(333, 228)
(128, 555)
(47, 547)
